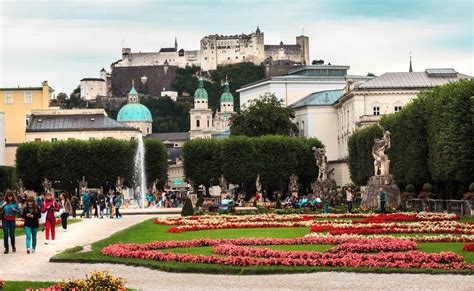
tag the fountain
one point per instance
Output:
(140, 175)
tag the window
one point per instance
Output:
(302, 129)
(147, 130)
(376, 110)
(37, 139)
(8, 97)
(28, 97)
(27, 119)
(198, 123)
(398, 108)
(54, 139)
(208, 123)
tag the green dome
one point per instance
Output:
(200, 92)
(226, 95)
(134, 112)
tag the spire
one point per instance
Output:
(258, 29)
(226, 85)
(411, 68)
(201, 82)
(175, 43)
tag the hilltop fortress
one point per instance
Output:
(220, 50)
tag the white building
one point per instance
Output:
(333, 115)
(298, 83)
(91, 88)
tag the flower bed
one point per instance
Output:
(349, 252)
(208, 222)
(468, 248)
(452, 227)
(20, 222)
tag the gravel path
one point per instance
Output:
(20, 266)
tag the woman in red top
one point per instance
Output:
(49, 206)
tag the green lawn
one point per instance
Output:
(21, 231)
(147, 231)
(23, 285)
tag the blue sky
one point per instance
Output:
(65, 41)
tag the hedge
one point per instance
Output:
(240, 159)
(65, 162)
(7, 178)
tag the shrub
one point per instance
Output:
(427, 187)
(199, 202)
(95, 281)
(278, 202)
(7, 177)
(410, 188)
(187, 208)
(471, 187)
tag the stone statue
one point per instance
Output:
(119, 184)
(47, 185)
(20, 186)
(258, 185)
(82, 185)
(293, 187)
(153, 187)
(223, 184)
(381, 161)
(321, 163)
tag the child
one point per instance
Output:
(31, 214)
(49, 207)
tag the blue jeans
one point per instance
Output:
(8, 230)
(31, 233)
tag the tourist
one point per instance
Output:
(31, 214)
(383, 200)
(111, 203)
(118, 203)
(74, 204)
(50, 206)
(10, 210)
(100, 203)
(65, 208)
(149, 199)
(40, 199)
(325, 203)
(93, 199)
(349, 198)
(86, 205)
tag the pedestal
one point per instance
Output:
(371, 197)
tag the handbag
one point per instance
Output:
(43, 218)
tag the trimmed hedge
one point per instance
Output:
(65, 162)
(7, 178)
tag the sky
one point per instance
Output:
(65, 41)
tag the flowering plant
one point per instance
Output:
(102, 280)
(468, 248)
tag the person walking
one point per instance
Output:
(74, 203)
(31, 214)
(100, 203)
(383, 200)
(118, 204)
(93, 199)
(86, 204)
(10, 210)
(349, 198)
(65, 208)
(50, 206)
(111, 203)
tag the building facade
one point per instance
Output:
(17, 105)
(82, 124)
(2, 139)
(298, 83)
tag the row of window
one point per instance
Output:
(376, 109)
(27, 97)
(54, 139)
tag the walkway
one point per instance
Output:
(20, 266)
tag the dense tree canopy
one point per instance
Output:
(168, 115)
(65, 162)
(432, 141)
(240, 159)
(265, 115)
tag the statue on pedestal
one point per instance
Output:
(321, 163)
(119, 184)
(153, 187)
(258, 185)
(47, 185)
(293, 186)
(223, 184)
(381, 161)
(82, 185)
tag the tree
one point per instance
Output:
(168, 115)
(265, 115)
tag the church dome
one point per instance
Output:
(226, 95)
(134, 112)
(200, 92)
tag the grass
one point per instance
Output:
(23, 285)
(147, 231)
(21, 231)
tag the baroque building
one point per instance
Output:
(134, 114)
(203, 123)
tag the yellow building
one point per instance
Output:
(17, 104)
